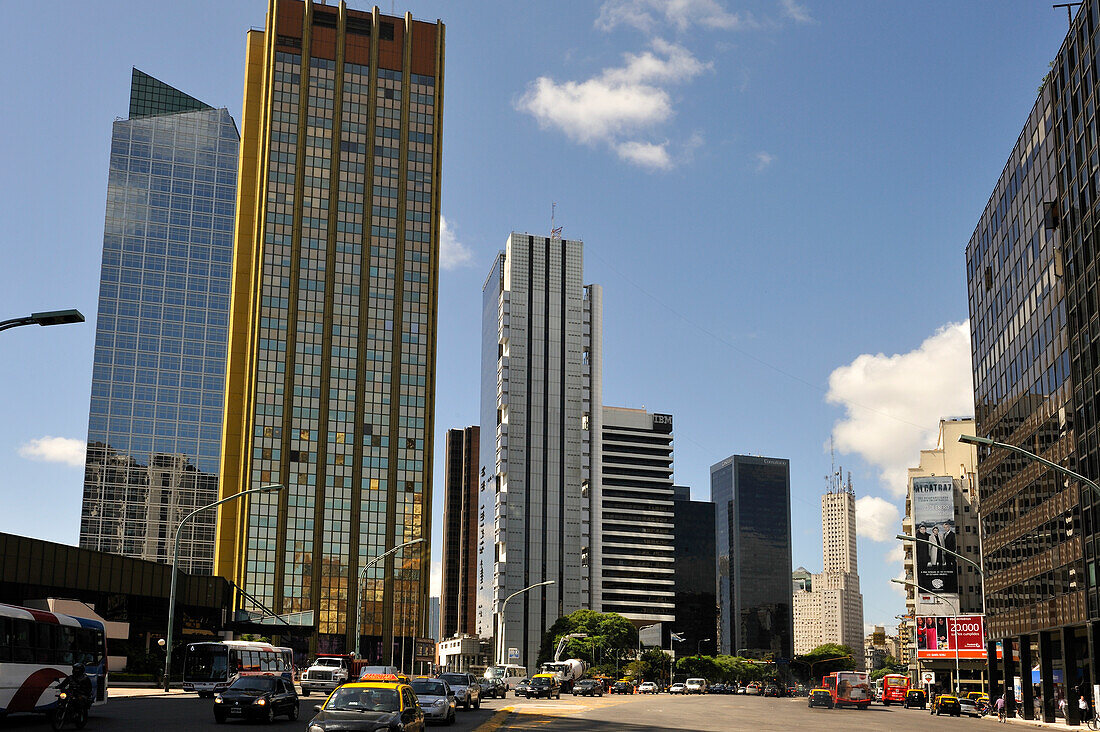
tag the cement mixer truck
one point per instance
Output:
(567, 672)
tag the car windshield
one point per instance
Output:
(327, 662)
(348, 698)
(425, 687)
(455, 679)
(253, 683)
(540, 682)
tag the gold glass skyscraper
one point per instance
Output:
(331, 376)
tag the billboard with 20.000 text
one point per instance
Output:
(940, 637)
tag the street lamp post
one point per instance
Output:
(975, 440)
(359, 601)
(503, 605)
(175, 562)
(699, 644)
(50, 317)
(945, 550)
(954, 625)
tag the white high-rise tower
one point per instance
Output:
(540, 411)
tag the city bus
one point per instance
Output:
(848, 688)
(38, 650)
(509, 673)
(894, 689)
(210, 667)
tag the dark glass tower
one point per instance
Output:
(696, 602)
(752, 528)
(458, 601)
(155, 421)
(1032, 280)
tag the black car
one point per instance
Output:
(492, 688)
(622, 687)
(544, 686)
(771, 690)
(820, 698)
(257, 697)
(588, 687)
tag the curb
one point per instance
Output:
(496, 721)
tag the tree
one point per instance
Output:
(824, 660)
(609, 637)
(699, 667)
(653, 665)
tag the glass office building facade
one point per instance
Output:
(155, 421)
(752, 529)
(332, 339)
(696, 602)
(1035, 335)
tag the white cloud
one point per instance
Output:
(619, 102)
(797, 13)
(452, 252)
(894, 403)
(763, 160)
(876, 518)
(435, 580)
(651, 15)
(67, 450)
(645, 154)
(901, 590)
(896, 555)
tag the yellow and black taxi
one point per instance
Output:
(946, 704)
(256, 697)
(820, 698)
(916, 698)
(374, 703)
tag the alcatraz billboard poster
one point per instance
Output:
(934, 522)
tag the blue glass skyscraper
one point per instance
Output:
(155, 421)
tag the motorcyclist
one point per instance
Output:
(79, 687)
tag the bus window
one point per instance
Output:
(22, 643)
(5, 640)
(267, 661)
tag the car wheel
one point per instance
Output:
(466, 704)
(219, 718)
(305, 691)
(292, 715)
(451, 719)
(477, 704)
(270, 716)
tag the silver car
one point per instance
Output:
(465, 688)
(436, 699)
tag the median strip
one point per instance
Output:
(496, 721)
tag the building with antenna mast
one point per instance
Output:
(829, 608)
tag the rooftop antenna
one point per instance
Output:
(554, 233)
(1069, 9)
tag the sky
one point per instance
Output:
(775, 195)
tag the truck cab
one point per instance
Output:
(327, 672)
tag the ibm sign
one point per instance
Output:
(662, 423)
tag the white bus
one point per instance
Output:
(38, 650)
(211, 667)
(509, 673)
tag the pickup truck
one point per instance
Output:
(329, 671)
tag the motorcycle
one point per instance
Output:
(68, 709)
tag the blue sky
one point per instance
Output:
(775, 195)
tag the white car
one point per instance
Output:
(647, 687)
(676, 688)
(695, 686)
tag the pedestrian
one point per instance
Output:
(1001, 709)
(1083, 707)
(1062, 707)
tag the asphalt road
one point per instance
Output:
(720, 713)
(187, 712)
(152, 713)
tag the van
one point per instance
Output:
(695, 686)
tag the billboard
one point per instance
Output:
(940, 637)
(933, 507)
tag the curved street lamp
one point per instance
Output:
(503, 605)
(49, 317)
(954, 626)
(359, 601)
(975, 440)
(175, 561)
(945, 550)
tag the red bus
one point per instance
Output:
(894, 688)
(848, 688)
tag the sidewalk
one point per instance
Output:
(1037, 723)
(121, 692)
